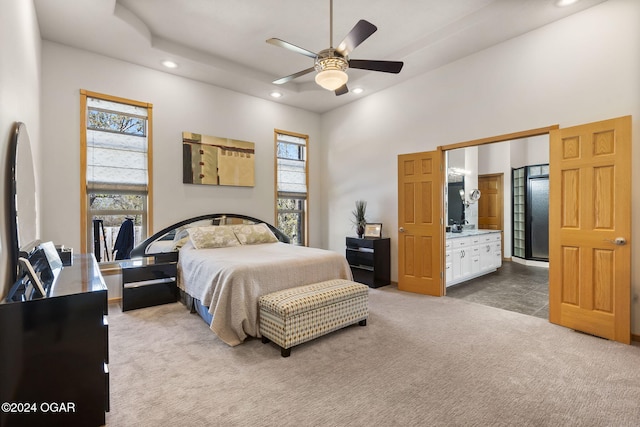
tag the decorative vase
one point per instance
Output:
(360, 231)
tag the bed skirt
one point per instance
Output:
(195, 306)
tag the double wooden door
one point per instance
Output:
(589, 227)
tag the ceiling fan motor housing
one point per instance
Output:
(329, 59)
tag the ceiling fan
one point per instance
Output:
(332, 63)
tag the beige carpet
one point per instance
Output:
(420, 361)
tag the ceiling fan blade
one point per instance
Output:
(342, 90)
(359, 33)
(384, 66)
(293, 76)
(292, 47)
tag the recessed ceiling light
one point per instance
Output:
(169, 64)
(563, 3)
(275, 94)
(357, 90)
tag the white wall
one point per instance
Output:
(538, 150)
(179, 105)
(471, 183)
(19, 97)
(581, 69)
(495, 158)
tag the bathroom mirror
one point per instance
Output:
(455, 203)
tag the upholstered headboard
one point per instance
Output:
(216, 219)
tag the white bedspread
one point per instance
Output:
(230, 280)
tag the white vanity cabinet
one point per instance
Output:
(471, 254)
(490, 251)
(461, 261)
(448, 262)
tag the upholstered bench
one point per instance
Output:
(297, 315)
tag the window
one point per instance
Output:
(115, 169)
(292, 186)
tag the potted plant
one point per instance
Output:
(359, 219)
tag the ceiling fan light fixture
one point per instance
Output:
(331, 79)
(331, 72)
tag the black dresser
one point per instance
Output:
(370, 260)
(54, 352)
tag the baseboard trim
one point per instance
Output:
(531, 263)
(635, 337)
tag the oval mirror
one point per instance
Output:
(22, 203)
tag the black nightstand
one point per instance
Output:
(370, 260)
(148, 281)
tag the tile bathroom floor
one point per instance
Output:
(514, 287)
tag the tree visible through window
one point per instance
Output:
(109, 121)
(115, 170)
(291, 186)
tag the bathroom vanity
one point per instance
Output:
(472, 253)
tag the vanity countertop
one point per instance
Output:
(467, 233)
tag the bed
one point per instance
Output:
(222, 279)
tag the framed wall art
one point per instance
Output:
(213, 160)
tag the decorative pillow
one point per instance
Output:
(177, 245)
(181, 232)
(212, 237)
(251, 234)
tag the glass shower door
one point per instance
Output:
(531, 212)
(539, 225)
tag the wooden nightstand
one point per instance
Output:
(148, 281)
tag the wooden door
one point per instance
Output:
(589, 228)
(491, 202)
(420, 231)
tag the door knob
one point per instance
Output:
(620, 241)
(401, 229)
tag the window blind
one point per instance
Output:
(117, 157)
(292, 175)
